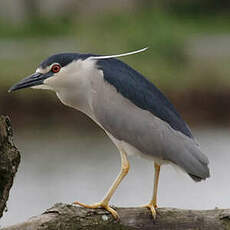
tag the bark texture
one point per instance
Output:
(69, 217)
(9, 161)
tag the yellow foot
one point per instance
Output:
(152, 209)
(100, 205)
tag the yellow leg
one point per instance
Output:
(152, 205)
(105, 202)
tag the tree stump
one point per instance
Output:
(9, 161)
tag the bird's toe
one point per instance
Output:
(96, 205)
(152, 208)
(100, 205)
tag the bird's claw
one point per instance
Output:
(152, 208)
(100, 205)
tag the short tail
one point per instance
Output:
(198, 169)
(193, 161)
(197, 178)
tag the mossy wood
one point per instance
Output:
(70, 217)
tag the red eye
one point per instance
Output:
(56, 68)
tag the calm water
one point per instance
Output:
(57, 167)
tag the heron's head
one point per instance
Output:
(55, 72)
(64, 71)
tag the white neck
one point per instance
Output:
(74, 84)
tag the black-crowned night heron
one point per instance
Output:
(136, 116)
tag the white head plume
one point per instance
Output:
(118, 55)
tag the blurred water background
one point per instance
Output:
(65, 157)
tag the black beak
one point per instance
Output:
(32, 80)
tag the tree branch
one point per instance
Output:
(9, 161)
(69, 217)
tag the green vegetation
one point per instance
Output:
(166, 34)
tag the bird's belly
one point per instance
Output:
(133, 151)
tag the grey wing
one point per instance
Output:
(147, 133)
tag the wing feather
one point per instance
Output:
(133, 86)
